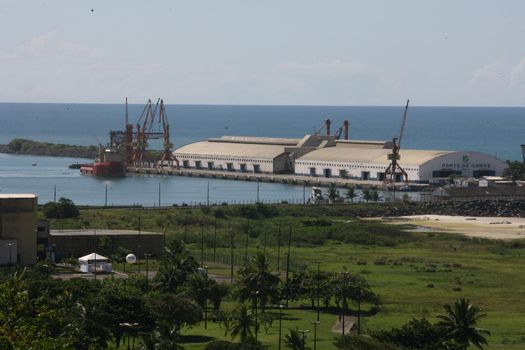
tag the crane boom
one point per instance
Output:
(403, 123)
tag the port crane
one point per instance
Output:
(337, 135)
(145, 132)
(394, 168)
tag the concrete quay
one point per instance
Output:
(262, 177)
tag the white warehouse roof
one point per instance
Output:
(350, 153)
(231, 149)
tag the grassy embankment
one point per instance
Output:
(414, 273)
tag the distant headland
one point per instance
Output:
(24, 146)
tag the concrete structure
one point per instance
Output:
(18, 228)
(324, 156)
(75, 243)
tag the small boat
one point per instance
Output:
(34, 164)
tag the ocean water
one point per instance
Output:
(496, 131)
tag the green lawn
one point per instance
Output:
(414, 273)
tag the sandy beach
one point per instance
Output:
(506, 228)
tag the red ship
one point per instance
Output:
(109, 164)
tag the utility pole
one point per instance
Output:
(280, 323)
(214, 239)
(202, 245)
(315, 323)
(279, 249)
(140, 241)
(208, 194)
(288, 259)
(95, 251)
(317, 291)
(246, 251)
(231, 256)
(258, 190)
(106, 198)
(304, 192)
(55, 194)
(159, 194)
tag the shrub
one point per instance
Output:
(65, 208)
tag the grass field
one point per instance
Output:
(414, 273)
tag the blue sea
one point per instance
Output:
(494, 130)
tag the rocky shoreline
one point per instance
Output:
(499, 208)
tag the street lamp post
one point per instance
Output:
(10, 245)
(303, 332)
(318, 287)
(146, 255)
(206, 299)
(315, 323)
(280, 322)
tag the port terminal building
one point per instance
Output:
(326, 156)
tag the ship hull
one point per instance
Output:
(104, 169)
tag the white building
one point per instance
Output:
(368, 161)
(233, 153)
(323, 156)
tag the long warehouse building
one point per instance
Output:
(324, 156)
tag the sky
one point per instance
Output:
(272, 52)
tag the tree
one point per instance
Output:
(240, 323)
(459, 324)
(218, 292)
(171, 309)
(65, 208)
(257, 282)
(374, 195)
(124, 306)
(514, 171)
(333, 193)
(199, 287)
(348, 286)
(350, 193)
(359, 342)
(367, 194)
(175, 267)
(295, 340)
(415, 335)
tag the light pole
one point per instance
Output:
(206, 299)
(344, 304)
(317, 289)
(146, 255)
(231, 255)
(315, 323)
(280, 322)
(303, 332)
(10, 245)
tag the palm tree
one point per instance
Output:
(257, 281)
(294, 340)
(350, 194)
(333, 194)
(176, 266)
(459, 324)
(366, 194)
(241, 323)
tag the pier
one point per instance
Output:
(291, 179)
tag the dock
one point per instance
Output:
(291, 179)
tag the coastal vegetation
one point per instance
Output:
(24, 146)
(412, 274)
